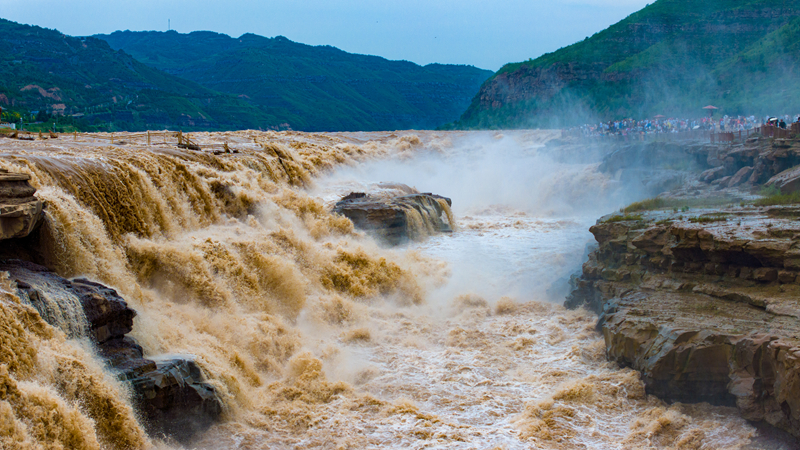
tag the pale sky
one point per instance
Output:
(484, 33)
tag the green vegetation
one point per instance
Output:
(711, 218)
(209, 81)
(681, 204)
(310, 88)
(625, 218)
(673, 57)
(81, 83)
(647, 205)
(772, 196)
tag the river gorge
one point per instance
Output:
(310, 333)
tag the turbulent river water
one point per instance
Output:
(316, 336)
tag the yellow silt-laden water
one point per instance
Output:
(313, 334)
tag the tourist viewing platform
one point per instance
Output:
(726, 129)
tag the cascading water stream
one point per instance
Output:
(314, 335)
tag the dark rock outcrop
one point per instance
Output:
(712, 174)
(757, 161)
(175, 399)
(107, 313)
(170, 392)
(741, 176)
(397, 219)
(20, 211)
(705, 307)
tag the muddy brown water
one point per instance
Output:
(316, 336)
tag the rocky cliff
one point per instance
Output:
(696, 167)
(704, 300)
(20, 211)
(705, 306)
(672, 57)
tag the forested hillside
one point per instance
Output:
(310, 88)
(672, 58)
(92, 86)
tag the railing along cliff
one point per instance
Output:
(177, 138)
(691, 135)
(678, 136)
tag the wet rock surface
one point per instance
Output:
(396, 219)
(662, 166)
(20, 211)
(107, 314)
(706, 305)
(170, 392)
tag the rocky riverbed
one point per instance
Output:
(169, 392)
(217, 300)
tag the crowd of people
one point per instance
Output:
(673, 125)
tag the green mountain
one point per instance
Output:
(310, 88)
(673, 57)
(96, 87)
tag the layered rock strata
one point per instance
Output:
(662, 166)
(20, 211)
(656, 166)
(706, 306)
(396, 220)
(170, 392)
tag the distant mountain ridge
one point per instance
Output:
(310, 88)
(45, 70)
(670, 58)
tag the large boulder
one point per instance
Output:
(171, 393)
(787, 181)
(741, 176)
(397, 219)
(175, 399)
(107, 314)
(20, 211)
(712, 174)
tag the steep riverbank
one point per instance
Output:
(698, 289)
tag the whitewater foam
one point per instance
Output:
(315, 336)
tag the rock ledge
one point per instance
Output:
(169, 391)
(706, 307)
(397, 219)
(20, 211)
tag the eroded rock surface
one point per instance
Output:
(396, 219)
(706, 306)
(787, 181)
(175, 398)
(661, 166)
(170, 392)
(20, 211)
